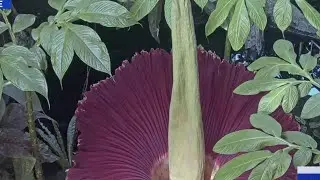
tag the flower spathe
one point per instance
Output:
(123, 120)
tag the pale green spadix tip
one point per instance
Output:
(186, 144)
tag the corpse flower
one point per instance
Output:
(123, 120)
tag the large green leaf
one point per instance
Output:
(285, 50)
(20, 51)
(56, 4)
(19, 96)
(300, 138)
(16, 70)
(3, 27)
(308, 62)
(302, 157)
(219, 15)
(23, 21)
(266, 123)
(154, 19)
(271, 101)
(268, 72)
(108, 14)
(290, 99)
(257, 13)
(42, 57)
(244, 141)
(272, 168)
(141, 8)
(201, 3)
(310, 13)
(239, 27)
(311, 108)
(255, 86)
(240, 164)
(46, 34)
(35, 33)
(265, 62)
(282, 13)
(61, 52)
(89, 47)
(304, 88)
(167, 11)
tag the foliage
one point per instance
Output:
(264, 163)
(283, 92)
(239, 13)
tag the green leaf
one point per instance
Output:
(266, 123)
(316, 159)
(318, 33)
(239, 27)
(266, 62)
(201, 3)
(23, 21)
(3, 27)
(89, 47)
(108, 14)
(271, 101)
(285, 50)
(61, 52)
(304, 88)
(308, 62)
(42, 57)
(257, 13)
(267, 72)
(311, 108)
(219, 15)
(56, 4)
(79, 4)
(300, 138)
(154, 19)
(302, 157)
(290, 98)
(23, 167)
(272, 168)
(141, 8)
(167, 11)
(311, 14)
(46, 37)
(17, 71)
(244, 141)
(71, 135)
(20, 51)
(1, 85)
(282, 13)
(35, 33)
(19, 96)
(240, 164)
(255, 86)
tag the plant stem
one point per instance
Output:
(33, 136)
(30, 118)
(13, 38)
(227, 49)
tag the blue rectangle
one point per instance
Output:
(5, 4)
(308, 176)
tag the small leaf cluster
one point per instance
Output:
(236, 16)
(283, 92)
(263, 163)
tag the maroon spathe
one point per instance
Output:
(123, 120)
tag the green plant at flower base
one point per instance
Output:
(264, 163)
